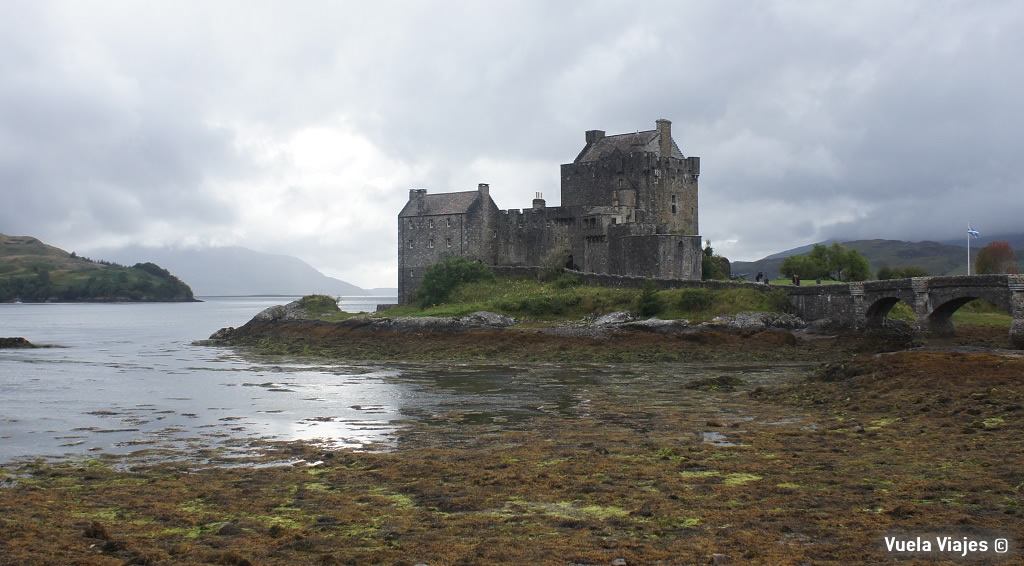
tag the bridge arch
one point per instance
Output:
(877, 312)
(879, 298)
(933, 299)
(939, 322)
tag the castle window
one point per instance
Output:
(673, 204)
(494, 233)
(430, 223)
(430, 243)
(449, 222)
(448, 242)
(615, 220)
(411, 246)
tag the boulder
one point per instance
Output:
(657, 325)
(491, 319)
(222, 334)
(612, 318)
(758, 321)
(15, 342)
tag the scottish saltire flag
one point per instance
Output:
(974, 233)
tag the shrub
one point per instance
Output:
(319, 304)
(886, 272)
(442, 278)
(649, 302)
(695, 300)
(778, 301)
(554, 264)
(566, 280)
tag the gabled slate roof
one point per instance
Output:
(441, 203)
(647, 141)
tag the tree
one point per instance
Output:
(805, 266)
(834, 262)
(997, 257)
(712, 265)
(903, 272)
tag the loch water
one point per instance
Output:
(130, 379)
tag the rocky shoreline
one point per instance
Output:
(796, 466)
(615, 337)
(16, 342)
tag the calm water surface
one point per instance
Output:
(127, 377)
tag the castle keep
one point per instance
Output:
(628, 207)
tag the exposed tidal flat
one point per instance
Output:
(755, 448)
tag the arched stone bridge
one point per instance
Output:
(934, 300)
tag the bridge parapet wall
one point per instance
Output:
(835, 303)
(946, 294)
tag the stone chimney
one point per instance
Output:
(484, 189)
(594, 135)
(538, 201)
(665, 137)
(419, 196)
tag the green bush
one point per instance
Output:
(649, 302)
(319, 304)
(778, 301)
(886, 272)
(566, 280)
(442, 278)
(695, 300)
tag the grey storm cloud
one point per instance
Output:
(813, 120)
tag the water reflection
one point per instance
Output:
(128, 378)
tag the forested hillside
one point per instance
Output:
(31, 271)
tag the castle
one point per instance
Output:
(628, 207)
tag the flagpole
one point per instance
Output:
(968, 248)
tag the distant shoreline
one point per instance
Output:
(103, 301)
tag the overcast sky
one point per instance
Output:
(298, 127)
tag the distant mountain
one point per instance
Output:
(794, 251)
(233, 270)
(934, 257)
(32, 271)
(1016, 241)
